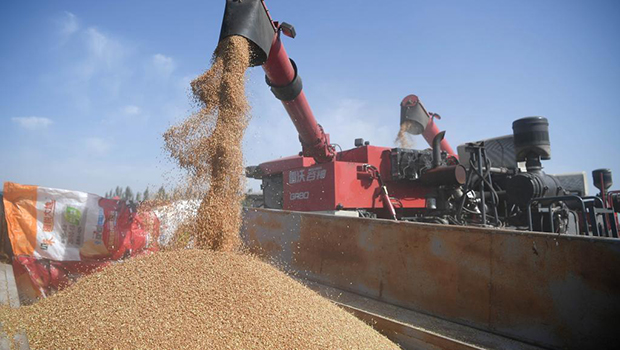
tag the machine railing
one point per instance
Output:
(552, 200)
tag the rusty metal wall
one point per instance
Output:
(549, 290)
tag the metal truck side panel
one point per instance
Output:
(549, 290)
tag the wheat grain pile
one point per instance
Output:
(195, 299)
(403, 139)
(207, 145)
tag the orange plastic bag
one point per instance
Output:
(58, 235)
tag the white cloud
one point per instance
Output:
(98, 146)
(102, 49)
(351, 118)
(104, 56)
(68, 25)
(96, 42)
(163, 65)
(131, 110)
(32, 123)
(101, 64)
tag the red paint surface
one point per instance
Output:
(281, 165)
(345, 183)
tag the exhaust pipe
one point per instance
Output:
(443, 175)
(437, 148)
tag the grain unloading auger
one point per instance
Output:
(429, 286)
(251, 20)
(482, 185)
(364, 179)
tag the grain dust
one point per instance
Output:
(403, 139)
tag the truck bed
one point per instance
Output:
(529, 289)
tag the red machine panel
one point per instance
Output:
(329, 187)
(344, 185)
(355, 189)
(310, 188)
(377, 156)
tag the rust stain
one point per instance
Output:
(402, 269)
(330, 248)
(267, 222)
(490, 279)
(440, 280)
(259, 245)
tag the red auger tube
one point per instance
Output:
(286, 85)
(429, 134)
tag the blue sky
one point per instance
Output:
(88, 87)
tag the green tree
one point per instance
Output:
(118, 192)
(161, 193)
(146, 194)
(128, 194)
(138, 197)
